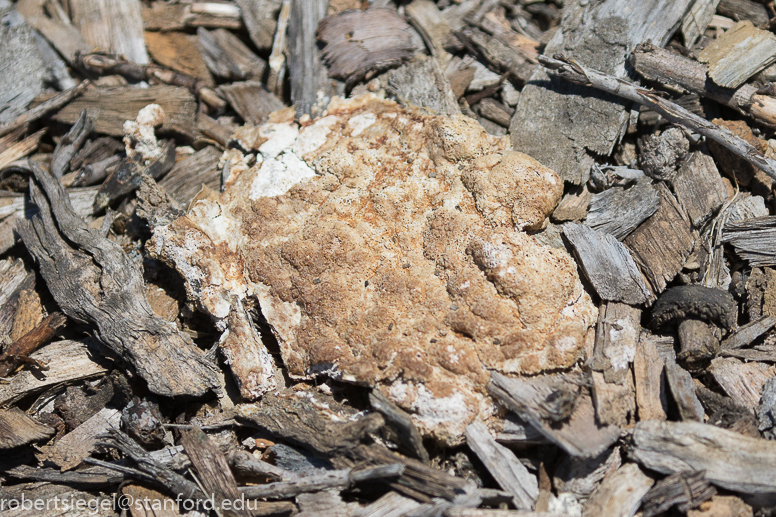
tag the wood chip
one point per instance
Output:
(251, 101)
(71, 449)
(648, 372)
(178, 51)
(683, 392)
(699, 188)
(50, 19)
(228, 57)
(16, 428)
(607, 265)
(188, 176)
(730, 460)
(753, 240)
(738, 54)
(112, 26)
(743, 382)
(260, 17)
(620, 493)
(109, 108)
(620, 210)
(422, 83)
(696, 20)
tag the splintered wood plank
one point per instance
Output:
(251, 101)
(504, 466)
(608, 265)
(662, 243)
(564, 125)
(16, 428)
(178, 51)
(188, 176)
(738, 54)
(109, 108)
(620, 210)
(21, 149)
(731, 460)
(620, 493)
(114, 26)
(67, 361)
(649, 378)
(699, 188)
(743, 382)
(749, 332)
(753, 239)
(23, 71)
(695, 22)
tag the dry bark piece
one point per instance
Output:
(16, 428)
(685, 490)
(109, 294)
(734, 166)
(71, 449)
(620, 210)
(260, 17)
(648, 374)
(114, 26)
(394, 416)
(743, 382)
(683, 392)
(19, 351)
(564, 126)
(251, 101)
(699, 188)
(178, 51)
(696, 20)
(620, 493)
(228, 57)
(738, 54)
(617, 335)
(189, 175)
(453, 203)
(359, 44)
(746, 334)
(422, 83)
(753, 239)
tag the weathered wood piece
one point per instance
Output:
(730, 460)
(661, 245)
(16, 428)
(260, 18)
(615, 403)
(213, 470)
(617, 335)
(23, 69)
(92, 477)
(188, 176)
(515, 432)
(667, 67)
(109, 294)
(504, 466)
(648, 373)
(422, 83)
(247, 464)
(228, 57)
(306, 72)
(539, 403)
(620, 493)
(502, 51)
(564, 126)
(175, 17)
(743, 382)
(109, 108)
(699, 188)
(685, 490)
(607, 265)
(50, 19)
(394, 416)
(71, 449)
(276, 79)
(297, 420)
(579, 74)
(738, 54)
(744, 10)
(620, 210)
(251, 101)
(66, 360)
(360, 44)
(683, 392)
(178, 51)
(327, 503)
(21, 149)
(746, 334)
(426, 16)
(697, 19)
(574, 205)
(392, 504)
(753, 240)
(494, 111)
(113, 26)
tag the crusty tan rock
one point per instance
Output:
(385, 247)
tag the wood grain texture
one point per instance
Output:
(738, 54)
(16, 428)
(113, 26)
(620, 210)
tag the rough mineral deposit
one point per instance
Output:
(387, 247)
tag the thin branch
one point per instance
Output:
(56, 102)
(572, 71)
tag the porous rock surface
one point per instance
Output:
(386, 246)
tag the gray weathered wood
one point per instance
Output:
(615, 404)
(744, 10)
(251, 101)
(607, 264)
(113, 26)
(697, 19)
(16, 428)
(685, 490)
(392, 504)
(260, 18)
(661, 245)
(616, 339)
(188, 176)
(228, 57)
(408, 434)
(683, 392)
(504, 466)
(71, 449)
(743, 382)
(730, 460)
(619, 494)
(738, 54)
(537, 402)
(422, 83)
(620, 210)
(23, 71)
(699, 188)
(753, 239)
(749, 332)
(50, 19)
(564, 126)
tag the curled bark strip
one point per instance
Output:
(94, 282)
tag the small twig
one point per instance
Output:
(56, 102)
(572, 71)
(20, 350)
